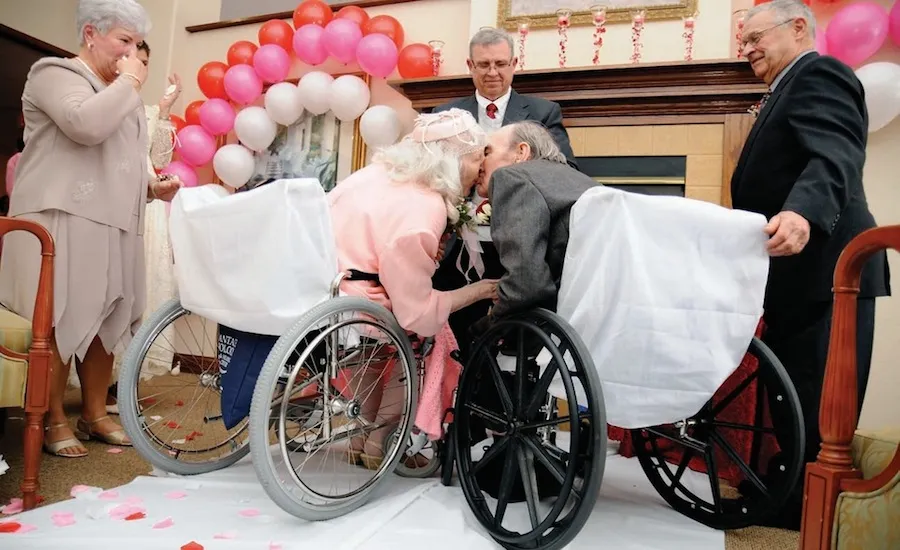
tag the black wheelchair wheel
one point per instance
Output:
(708, 439)
(528, 459)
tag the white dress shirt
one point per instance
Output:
(492, 124)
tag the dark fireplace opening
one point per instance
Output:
(647, 174)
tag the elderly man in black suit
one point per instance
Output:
(494, 105)
(802, 168)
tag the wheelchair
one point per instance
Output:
(527, 435)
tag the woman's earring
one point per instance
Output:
(90, 45)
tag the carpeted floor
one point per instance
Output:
(102, 469)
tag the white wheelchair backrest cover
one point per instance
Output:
(254, 261)
(667, 293)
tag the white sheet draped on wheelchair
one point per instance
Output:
(665, 291)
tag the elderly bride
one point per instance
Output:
(389, 219)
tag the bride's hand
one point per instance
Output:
(165, 189)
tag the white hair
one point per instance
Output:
(490, 36)
(105, 15)
(785, 10)
(539, 140)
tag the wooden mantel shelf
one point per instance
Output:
(709, 87)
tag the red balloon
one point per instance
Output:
(211, 79)
(276, 31)
(241, 52)
(177, 122)
(387, 25)
(192, 112)
(353, 13)
(416, 61)
(312, 11)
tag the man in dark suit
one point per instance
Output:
(801, 167)
(494, 105)
(532, 191)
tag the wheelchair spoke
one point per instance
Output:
(487, 415)
(521, 374)
(733, 426)
(490, 455)
(735, 457)
(552, 466)
(540, 390)
(506, 484)
(553, 422)
(721, 405)
(529, 483)
(713, 474)
(505, 399)
(697, 446)
(682, 466)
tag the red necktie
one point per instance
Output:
(491, 111)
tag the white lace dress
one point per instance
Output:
(161, 285)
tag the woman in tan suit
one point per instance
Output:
(83, 176)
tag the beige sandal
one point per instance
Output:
(55, 447)
(84, 431)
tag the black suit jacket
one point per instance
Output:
(522, 107)
(805, 153)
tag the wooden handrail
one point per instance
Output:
(833, 469)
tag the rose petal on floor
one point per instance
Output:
(227, 535)
(164, 523)
(249, 513)
(176, 495)
(115, 450)
(108, 495)
(14, 507)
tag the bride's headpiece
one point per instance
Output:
(457, 129)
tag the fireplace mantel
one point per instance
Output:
(709, 87)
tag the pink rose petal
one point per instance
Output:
(26, 529)
(108, 495)
(274, 546)
(63, 519)
(122, 511)
(78, 489)
(133, 500)
(114, 450)
(176, 495)
(14, 507)
(163, 524)
(227, 535)
(249, 513)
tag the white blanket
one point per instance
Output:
(254, 261)
(667, 293)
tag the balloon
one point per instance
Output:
(272, 63)
(234, 164)
(894, 24)
(276, 31)
(377, 55)
(416, 61)
(195, 145)
(354, 13)
(821, 42)
(242, 84)
(881, 82)
(283, 103)
(217, 116)
(349, 97)
(379, 126)
(255, 129)
(192, 112)
(177, 122)
(857, 31)
(315, 88)
(308, 44)
(758, 2)
(387, 25)
(314, 12)
(210, 79)
(241, 52)
(182, 171)
(341, 38)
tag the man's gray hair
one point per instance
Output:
(785, 10)
(488, 37)
(538, 138)
(105, 15)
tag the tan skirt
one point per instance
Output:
(99, 280)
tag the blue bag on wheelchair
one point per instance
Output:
(241, 358)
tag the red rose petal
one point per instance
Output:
(134, 516)
(172, 424)
(192, 546)
(148, 400)
(9, 526)
(192, 435)
(179, 403)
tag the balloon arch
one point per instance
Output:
(231, 89)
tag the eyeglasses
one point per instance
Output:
(486, 66)
(754, 37)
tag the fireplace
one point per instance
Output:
(650, 175)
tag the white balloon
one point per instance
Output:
(254, 128)
(283, 103)
(379, 126)
(315, 88)
(349, 97)
(234, 165)
(881, 81)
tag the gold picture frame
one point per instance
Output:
(617, 11)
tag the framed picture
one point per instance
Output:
(315, 146)
(542, 13)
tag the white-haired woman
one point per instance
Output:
(83, 176)
(389, 219)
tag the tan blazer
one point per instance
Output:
(86, 146)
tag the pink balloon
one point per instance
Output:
(272, 63)
(185, 172)
(856, 32)
(894, 24)
(377, 55)
(217, 116)
(821, 43)
(195, 145)
(340, 39)
(308, 44)
(242, 84)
